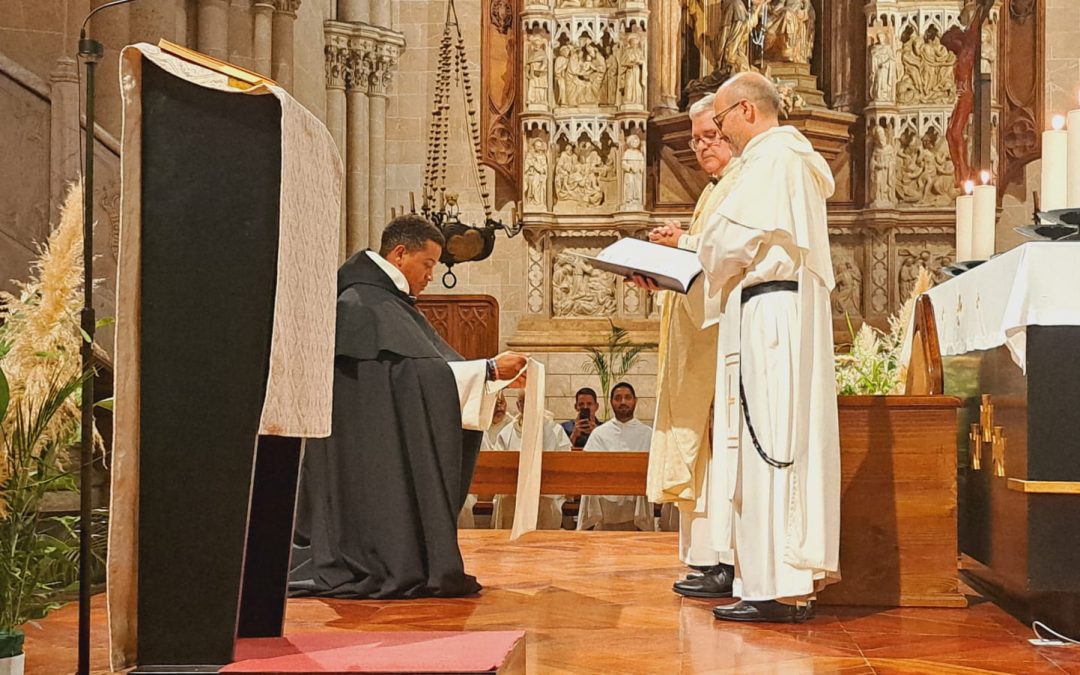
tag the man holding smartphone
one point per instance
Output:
(579, 428)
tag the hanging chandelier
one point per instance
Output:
(464, 242)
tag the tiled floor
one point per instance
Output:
(600, 602)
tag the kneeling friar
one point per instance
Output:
(379, 499)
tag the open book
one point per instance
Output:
(673, 269)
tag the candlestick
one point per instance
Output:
(1072, 191)
(965, 205)
(1055, 166)
(984, 219)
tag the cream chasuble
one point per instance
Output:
(686, 374)
(783, 523)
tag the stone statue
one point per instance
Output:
(722, 31)
(882, 71)
(964, 43)
(595, 68)
(789, 35)
(536, 72)
(882, 168)
(847, 294)
(564, 169)
(631, 68)
(633, 167)
(911, 87)
(535, 174)
(609, 86)
(562, 63)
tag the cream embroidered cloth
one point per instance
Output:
(299, 386)
(992, 305)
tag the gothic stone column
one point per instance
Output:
(263, 37)
(664, 30)
(282, 56)
(357, 82)
(214, 28)
(65, 157)
(337, 110)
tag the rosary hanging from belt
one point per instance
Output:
(464, 242)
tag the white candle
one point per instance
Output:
(984, 219)
(1072, 191)
(1054, 166)
(965, 204)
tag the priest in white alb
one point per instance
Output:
(686, 374)
(775, 472)
(625, 433)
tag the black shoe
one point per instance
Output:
(767, 611)
(713, 584)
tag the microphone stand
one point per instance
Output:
(90, 52)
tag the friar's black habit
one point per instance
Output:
(379, 499)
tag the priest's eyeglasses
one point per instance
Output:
(718, 120)
(700, 143)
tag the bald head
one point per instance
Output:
(753, 87)
(747, 105)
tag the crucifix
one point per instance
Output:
(972, 93)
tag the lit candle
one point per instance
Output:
(983, 219)
(1072, 197)
(1054, 166)
(965, 204)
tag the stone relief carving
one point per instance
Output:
(925, 174)
(535, 276)
(582, 175)
(536, 175)
(883, 68)
(536, 72)
(631, 64)
(882, 167)
(879, 273)
(911, 261)
(789, 35)
(633, 170)
(578, 289)
(585, 74)
(927, 69)
(847, 294)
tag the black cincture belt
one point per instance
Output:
(768, 287)
(747, 293)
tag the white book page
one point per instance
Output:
(676, 263)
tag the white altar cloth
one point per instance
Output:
(1035, 284)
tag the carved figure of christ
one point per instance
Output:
(964, 43)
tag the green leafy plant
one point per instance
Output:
(872, 363)
(611, 364)
(41, 379)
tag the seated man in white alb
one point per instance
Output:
(555, 439)
(622, 434)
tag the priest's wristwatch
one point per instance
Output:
(492, 370)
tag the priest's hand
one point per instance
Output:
(509, 364)
(667, 234)
(643, 282)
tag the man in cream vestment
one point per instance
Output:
(775, 473)
(681, 447)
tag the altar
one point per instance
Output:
(1008, 332)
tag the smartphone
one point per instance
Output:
(583, 414)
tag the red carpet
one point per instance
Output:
(378, 652)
